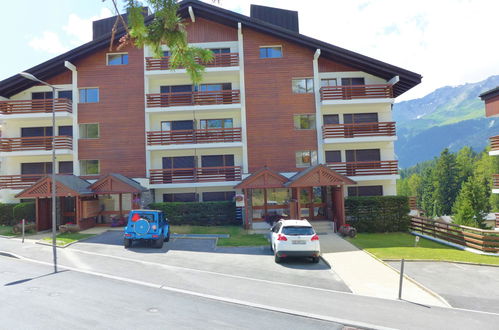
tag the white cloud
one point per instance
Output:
(48, 42)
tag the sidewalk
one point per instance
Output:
(367, 276)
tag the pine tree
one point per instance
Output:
(445, 183)
(465, 163)
(472, 203)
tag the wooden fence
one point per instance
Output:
(480, 239)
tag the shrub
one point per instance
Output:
(199, 214)
(25, 211)
(378, 214)
(6, 215)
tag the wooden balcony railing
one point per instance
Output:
(193, 98)
(494, 143)
(212, 135)
(358, 130)
(383, 167)
(35, 143)
(191, 175)
(20, 181)
(35, 106)
(219, 60)
(495, 181)
(352, 92)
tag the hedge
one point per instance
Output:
(25, 211)
(6, 218)
(378, 214)
(199, 214)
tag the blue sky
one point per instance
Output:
(449, 42)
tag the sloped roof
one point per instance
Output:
(263, 178)
(45, 70)
(489, 94)
(318, 175)
(116, 183)
(66, 185)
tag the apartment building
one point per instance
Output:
(491, 99)
(290, 123)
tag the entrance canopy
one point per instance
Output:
(66, 186)
(115, 183)
(263, 178)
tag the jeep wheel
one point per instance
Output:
(158, 244)
(127, 243)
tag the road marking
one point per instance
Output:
(218, 298)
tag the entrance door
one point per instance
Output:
(313, 203)
(44, 215)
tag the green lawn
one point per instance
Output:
(238, 236)
(6, 231)
(66, 238)
(401, 245)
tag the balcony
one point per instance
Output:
(495, 183)
(38, 143)
(219, 60)
(189, 99)
(196, 136)
(195, 175)
(37, 107)
(366, 168)
(494, 146)
(19, 181)
(359, 132)
(360, 93)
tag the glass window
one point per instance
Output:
(365, 191)
(89, 95)
(89, 167)
(89, 131)
(220, 50)
(331, 119)
(65, 95)
(333, 156)
(329, 82)
(66, 167)
(117, 59)
(271, 52)
(352, 81)
(180, 197)
(257, 198)
(302, 86)
(306, 158)
(66, 130)
(216, 123)
(218, 196)
(296, 230)
(304, 121)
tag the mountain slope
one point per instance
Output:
(449, 117)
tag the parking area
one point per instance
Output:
(203, 254)
(463, 286)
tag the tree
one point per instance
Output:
(465, 161)
(472, 203)
(445, 183)
(167, 28)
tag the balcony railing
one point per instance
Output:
(35, 106)
(20, 181)
(35, 143)
(352, 92)
(193, 98)
(192, 175)
(383, 167)
(219, 60)
(358, 130)
(494, 143)
(495, 181)
(213, 135)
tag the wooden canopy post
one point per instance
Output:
(121, 205)
(37, 214)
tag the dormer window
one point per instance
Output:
(270, 51)
(117, 59)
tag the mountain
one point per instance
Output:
(449, 117)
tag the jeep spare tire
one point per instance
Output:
(141, 227)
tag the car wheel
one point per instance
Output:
(158, 244)
(271, 247)
(127, 243)
(315, 260)
(277, 258)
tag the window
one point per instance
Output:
(89, 167)
(36, 168)
(65, 95)
(65, 130)
(329, 82)
(217, 161)
(302, 86)
(180, 197)
(333, 156)
(331, 119)
(41, 95)
(352, 81)
(218, 196)
(306, 158)
(365, 191)
(363, 155)
(89, 131)
(216, 123)
(117, 59)
(304, 121)
(66, 167)
(177, 125)
(270, 52)
(350, 118)
(89, 95)
(220, 50)
(36, 131)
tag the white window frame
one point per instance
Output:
(122, 53)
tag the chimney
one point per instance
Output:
(287, 19)
(105, 25)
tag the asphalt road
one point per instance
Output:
(463, 286)
(35, 298)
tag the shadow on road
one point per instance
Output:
(33, 278)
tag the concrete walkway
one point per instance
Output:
(366, 275)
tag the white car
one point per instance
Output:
(294, 238)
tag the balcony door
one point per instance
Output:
(176, 95)
(178, 131)
(35, 133)
(352, 92)
(44, 103)
(179, 169)
(365, 156)
(211, 97)
(359, 118)
(223, 167)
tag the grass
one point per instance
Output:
(66, 238)
(401, 245)
(238, 236)
(6, 231)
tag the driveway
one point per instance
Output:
(204, 255)
(463, 286)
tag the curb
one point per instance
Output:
(446, 261)
(41, 242)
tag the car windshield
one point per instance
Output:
(296, 230)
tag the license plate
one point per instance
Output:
(298, 242)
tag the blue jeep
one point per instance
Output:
(148, 225)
